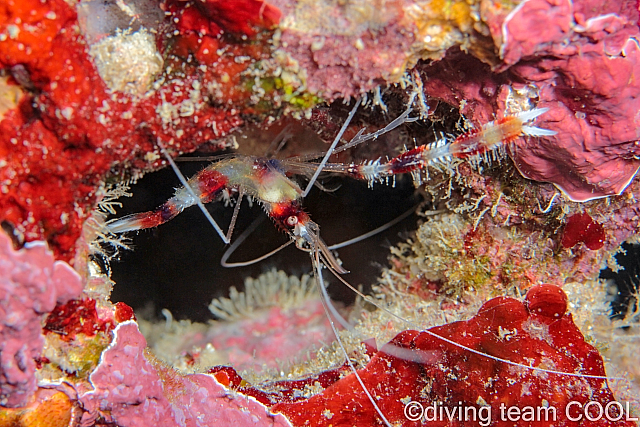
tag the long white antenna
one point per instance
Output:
(333, 146)
(315, 259)
(462, 346)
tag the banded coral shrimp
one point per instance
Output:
(185, 252)
(281, 199)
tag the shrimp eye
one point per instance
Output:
(292, 220)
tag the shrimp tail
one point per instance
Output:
(529, 115)
(144, 220)
(536, 131)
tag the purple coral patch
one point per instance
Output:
(589, 76)
(132, 389)
(586, 68)
(31, 283)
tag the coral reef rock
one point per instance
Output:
(31, 283)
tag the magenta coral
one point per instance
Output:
(31, 283)
(584, 61)
(130, 390)
(591, 83)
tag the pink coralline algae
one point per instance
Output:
(259, 341)
(31, 283)
(345, 49)
(595, 101)
(581, 59)
(131, 388)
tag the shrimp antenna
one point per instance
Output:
(333, 146)
(361, 136)
(462, 346)
(326, 302)
(186, 185)
(279, 141)
(254, 225)
(243, 236)
(382, 228)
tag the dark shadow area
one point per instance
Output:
(625, 281)
(177, 265)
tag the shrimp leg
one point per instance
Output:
(476, 143)
(204, 187)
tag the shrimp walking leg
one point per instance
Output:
(476, 143)
(260, 178)
(266, 181)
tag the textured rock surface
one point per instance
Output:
(131, 389)
(425, 367)
(31, 283)
(583, 60)
(78, 108)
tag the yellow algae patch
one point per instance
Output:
(442, 24)
(10, 96)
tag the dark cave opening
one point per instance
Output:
(625, 283)
(177, 265)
